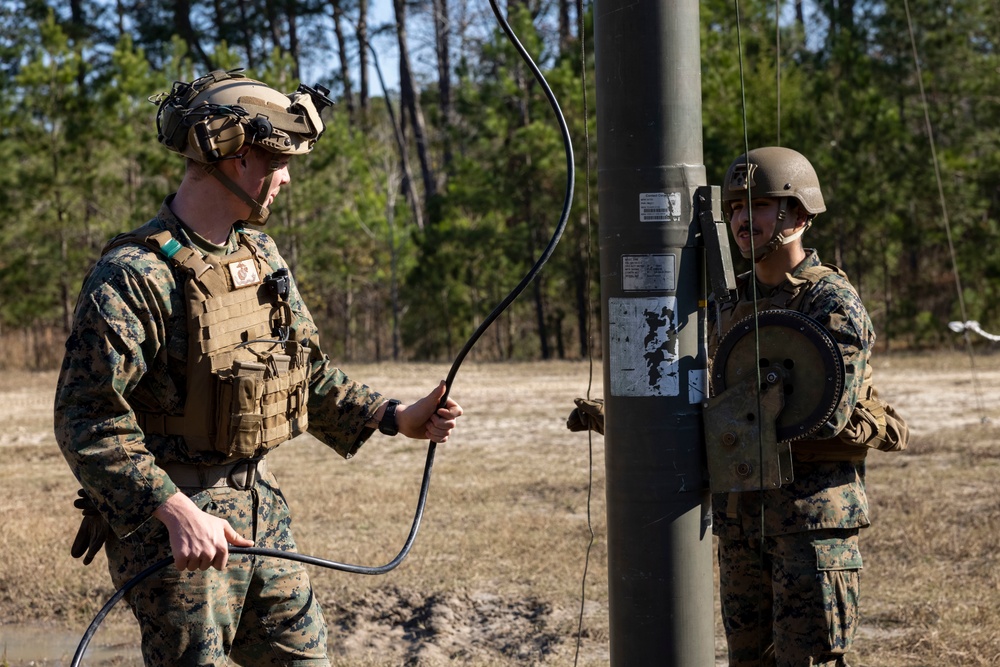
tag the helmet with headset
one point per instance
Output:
(215, 116)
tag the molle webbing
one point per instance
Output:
(790, 295)
(223, 320)
(247, 389)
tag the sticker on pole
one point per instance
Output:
(697, 382)
(659, 206)
(649, 273)
(643, 346)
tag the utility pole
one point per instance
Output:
(653, 292)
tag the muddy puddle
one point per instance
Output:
(22, 645)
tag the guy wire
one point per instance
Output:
(753, 295)
(582, 29)
(944, 214)
(777, 71)
(753, 253)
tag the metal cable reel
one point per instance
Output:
(777, 377)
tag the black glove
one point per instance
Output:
(93, 529)
(588, 414)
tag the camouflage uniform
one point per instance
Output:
(127, 353)
(788, 557)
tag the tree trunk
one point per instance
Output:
(78, 21)
(348, 317)
(581, 276)
(410, 102)
(273, 20)
(241, 6)
(565, 34)
(886, 328)
(183, 28)
(120, 13)
(293, 39)
(404, 160)
(390, 216)
(64, 290)
(363, 56)
(442, 39)
(557, 326)
(538, 294)
(345, 63)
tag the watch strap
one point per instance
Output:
(387, 425)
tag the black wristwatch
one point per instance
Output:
(387, 425)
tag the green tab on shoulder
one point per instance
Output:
(171, 247)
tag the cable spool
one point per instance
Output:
(777, 376)
(799, 344)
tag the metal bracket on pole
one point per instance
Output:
(715, 236)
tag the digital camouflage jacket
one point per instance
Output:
(127, 352)
(824, 494)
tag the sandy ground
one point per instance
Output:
(406, 620)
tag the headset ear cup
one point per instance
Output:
(216, 138)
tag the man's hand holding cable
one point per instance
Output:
(198, 540)
(424, 419)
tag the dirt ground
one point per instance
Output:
(497, 573)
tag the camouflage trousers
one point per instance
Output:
(260, 611)
(789, 600)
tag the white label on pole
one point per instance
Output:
(649, 273)
(696, 385)
(643, 343)
(659, 206)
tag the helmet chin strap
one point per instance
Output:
(778, 239)
(259, 213)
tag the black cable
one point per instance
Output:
(428, 466)
(567, 202)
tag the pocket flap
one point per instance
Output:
(838, 557)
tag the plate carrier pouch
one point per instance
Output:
(247, 381)
(874, 424)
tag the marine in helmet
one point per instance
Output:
(771, 196)
(789, 557)
(223, 116)
(191, 357)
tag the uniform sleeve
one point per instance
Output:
(114, 332)
(836, 305)
(339, 408)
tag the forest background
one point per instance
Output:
(423, 205)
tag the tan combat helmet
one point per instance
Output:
(777, 172)
(213, 117)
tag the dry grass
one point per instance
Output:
(495, 576)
